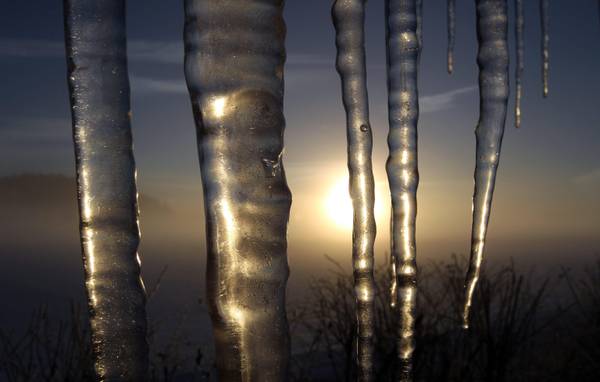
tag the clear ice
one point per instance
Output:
(451, 32)
(348, 19)
(519, 27)
(234, 57)
(492, 60)
(99, 89)
(403, 50)
(545, 16)
(420, 23)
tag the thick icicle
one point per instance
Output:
(519, 26)
(234, 56)
(348, 19)
(493, 92)
(451, 28)
(99, 88)
(403, 51)
(545, 16)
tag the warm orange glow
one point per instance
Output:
(338, 205)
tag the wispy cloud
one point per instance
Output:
(31, 48)
(588, 178)
(308, 59)
(156, 85)
(166, 52)
(442, 101)
(41, 130)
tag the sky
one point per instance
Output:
(547, 199)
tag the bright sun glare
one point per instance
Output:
(338, 204)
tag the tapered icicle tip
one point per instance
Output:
(465, 320)
(492, 60)
(394, 282)
(469, 289)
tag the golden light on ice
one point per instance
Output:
(338, 205)
(218, 107)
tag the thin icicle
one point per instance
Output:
(394, 283)
(493, 92)
(545, 16)
(348, 19)
(451, 28)
(234, 56)
(403, 113)
(519, 26)
(420, 23)
(99, 88)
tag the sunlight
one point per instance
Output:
(218, 107)
(338, 205)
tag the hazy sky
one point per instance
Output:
(548, 191)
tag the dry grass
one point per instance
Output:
(520, 332)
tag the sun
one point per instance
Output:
(338, 205)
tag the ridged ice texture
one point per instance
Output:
(545, 22)
(519, 26)
(348, 19)
(234, 56)
(99, 88)
(492, 59)
(403, 50)
(451, 33)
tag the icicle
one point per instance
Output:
(394, 283)
(403, 57)
(348, 19)
(420, 23)
(99, 89)
(519, 25)
(234, 56)
(545, 15)
(451, 29)
(493, 91)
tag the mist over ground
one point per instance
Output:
(40, 256)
